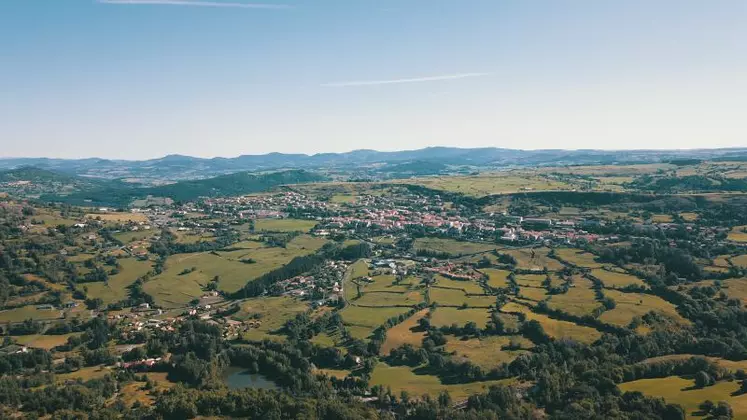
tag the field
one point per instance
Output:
(737, 234)
(681, 391)
(46, 342)
(530, 280)
(404, 333)
(739, 260)
(616, 279)
(580, 299)
(489, 184)
(726, 364)
(443, 317)
(469, 287)
(536, 294)
(578, 258)
(556, 328)
(85, 374)
(115, 289)
(456, 297)
(496, 278)
(369, 317)
(172, 288)
(29, 312)
(525, 261)
(486, 352)
(402, 378)
(273, 312)
(451, 246)
(283, 225)
(389, 299)
(630, 305)
(736, 289)
(118, 217)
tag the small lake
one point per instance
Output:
(238, 378)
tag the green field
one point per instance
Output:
(737, 234)
(540, 260)
(616, 279)
(457, 297)
(630, 305)
(681, 391)
(533, 293)
(496, 278)
(578, 258)
(531, 280)
(489, 184)
(29, 312)
(404, 333)
(443, 317)
(283, 225)
(580, 299)
(470, 287)
(115, 289)
(273, 313)
(556, 328)
(369, 317)
(402, 378)
(486, 352)
(451, 246)
(389, 299)
(46, 342)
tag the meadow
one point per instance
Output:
(496, 278)
(630, 305)
(540, 260)
(406, 332)
(486, 352)
(738, 234)
(490, 184)
(451, 246)
(577, 258)
(120, 217)
(443, 317)
(283, 225)
(272, 312)
(115, 289)
(555, 328)
(580, 300)
(616, 279)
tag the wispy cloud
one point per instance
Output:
(199, 3)
(408, 80)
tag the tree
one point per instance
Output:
(702, 380)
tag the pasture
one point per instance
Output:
(487, 352)
(535, 294)
(681, 391)
(283, 225)
(630, 305)
(443, 317)
(451, 246)
(496, 278)
(272, 312)
(577, 258)
(738, 234)
(469, 287)
(23, 313)
(580, 299)
(369, 317)
(555, 328)
(455, 297)
(46, 342)
(739, 260)
(118, 217)
(402, 378)
(406, 332)
(490, 184)
(616, 279)
(115, 289)
(527, 261)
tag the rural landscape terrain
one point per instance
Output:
(439, 283)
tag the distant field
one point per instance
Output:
(29, 312)
(579, 258)
(681, 391)
(451, 246)
(489, 184)
(443, 317)
(486, 352)
(283, 225)
(536, 294)
(458, 297)
(470, 287)
(615, 279)
(86, 374)
(118, 217)
(531, 280)
(737, 234)
(390, 299)
(402, 378)
(580, 299)
(496, 278)
(46, 342)
(630, 305)
(556, 328)
(369, 317)
(739, 260)
(115, 289)
(273, 311)
(342, 198)
(403, 333)
(525, 261)
(133, 236)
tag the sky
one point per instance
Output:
(134, 79)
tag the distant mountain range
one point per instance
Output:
(364, 163)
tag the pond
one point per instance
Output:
(237, 377)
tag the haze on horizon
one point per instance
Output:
(134, 79)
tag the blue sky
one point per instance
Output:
(144, 78)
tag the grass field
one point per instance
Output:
(681, 391)
(458, 297)
(616, 279)
(134, 236)
(489, 184)
(578, 258)
(525, 261)
(739, 260)
(486, 352)
(630, 305)
(404, 333)
(402, 378)
(556, 328)
(737, 234)
(726, 364)
(451, 246)
(342, 199)
(443, 317)
(389, 299)
(369, 317)
(531, 280)
(580, 299)
(496, 278)
(29, 312)
(273, 311)
(469, 287)
(536, 294)
(46, 342)
(85, 374)
(121, 217)
(283, 225)
(736, 288)
(115, 289)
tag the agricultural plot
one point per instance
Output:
(740, 260)
(402, 378)
(469, 287)
(271, 312)
(406, 332)
(369, 317)
(578, 258)
(283, 225)
(530, 280)
(487, 352)
(682, 391)
(555, 328)
(451, 246)
(726, 364)
(535, 294)
(120, 217)
(630, 305)
(490, 184)
(188, 237)
(454, 297)
(527, 261)
(580, 300)
(29, 312)
(444, 317)
(738, 234)
(616, 279)
(496, 278)
(385, 299)
(115, 289)
(46, 342)
(736, 289)
(134, 236)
